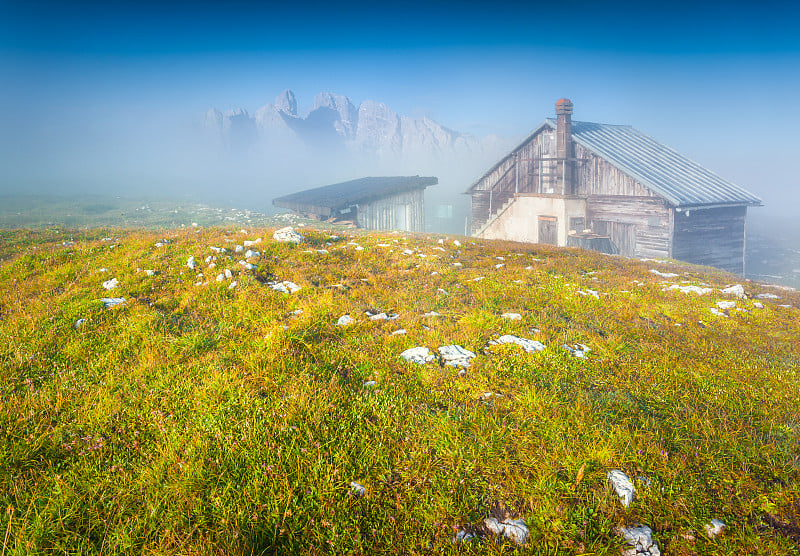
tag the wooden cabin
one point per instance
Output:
(382, 203)
(614, 189)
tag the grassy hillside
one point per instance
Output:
(209, 417)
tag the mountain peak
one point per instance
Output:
(286, 102)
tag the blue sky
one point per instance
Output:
(707, 78)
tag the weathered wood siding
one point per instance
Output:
(649, 216)
(403, 211)
(595, 176)
(713, 237)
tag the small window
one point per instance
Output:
(577, 224)
(444, 211)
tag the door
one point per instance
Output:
(624, 236)
(548, 230)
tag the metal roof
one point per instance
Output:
(678, 179)
(329, 199)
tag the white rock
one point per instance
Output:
(689, 289)
(344, 320)
(408, 252)
(251, 253)
(358, 489)
(588, 293)
(663, 274)
(737, 290)
(379, 316)
(150, 272)
(111, 284)
(578, 350)
(528, 345)
(432, 314)
(455, 356)
(717, 313)
(457, 243)
(220, 277)
(190, 263)
(238, 249)
(79, 323)
(726, 304)
(217, 249)
(370, 383)
(419, 355)
(284, 286)
(251, 243)
(514, 530)
(758, 305)
(511, 316)
(232, 285)
(442, 291)
(286, 235)
(640, 537)
(109, 302)
(228, 273)
(500, 265)
(399, 332)
(715, 528)
(767, 296)
(623, 485)
(459, 265)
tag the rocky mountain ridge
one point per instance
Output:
(334, 124)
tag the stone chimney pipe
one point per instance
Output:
(564, 150)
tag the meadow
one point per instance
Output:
(213, 414)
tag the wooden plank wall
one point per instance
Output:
(712, 237)
(649, 215)
(595, 176)
(381, 214)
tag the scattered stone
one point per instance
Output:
(623, 485)
(217, 249)
(514, 530)
(251, 243)
(357, 489)
(717, 313)
(286, 235)
(111, 284)
(690, 289)
(220, 277)
(478, 279)
(399, 332)
(511, 316)
(457, 243)
(190, 263)
(150, 272)
(284, 286)
(528, 345)
(663, 274)
(578, 350)
(322, 251)
(726, 304)
(767, 296)
(589, 293)
(442, 291)
(344, 320)
(238, 249)
(640, 537)
(421, 355)
(758, 305)
(370, 384)
(737, 290)
(109, 302)
(246, 265)
(408, 252)
(715, 528)
(500, 265)
(102, 270)
(432, 314)
(232, 285)
(251, 253)
(459, 265)
(228, 273)
(455, 356)
(79, 323)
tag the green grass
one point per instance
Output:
(199, 419)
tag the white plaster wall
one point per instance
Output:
(520, 221)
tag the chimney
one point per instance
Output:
(564, 144)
